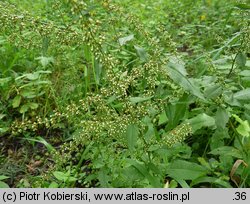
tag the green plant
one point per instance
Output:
(2, 183)
(123, 100)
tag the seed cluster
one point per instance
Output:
(178, 134)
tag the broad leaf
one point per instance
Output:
(3, 81)
(65, 177)
(221, 118)
(213, 91)
(16, 101)
(33, 76)
(124, 40)
(162, 118)
(177, 64)
(145, 172)
(33, 105)
(244, 127)
(141, 53)
(241, 59)
(3, 185)
(132, 135)
(53, 185)
(211, 180)
(201, 120)
(245, 73)
(184, 82)
(243, 95)
(175, 113)
(185, 170)
(2, 177)
(24, 108)
(227, 150)
(139, 99)
(45, 61)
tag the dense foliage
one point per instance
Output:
(124, 93)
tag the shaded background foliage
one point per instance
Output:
(124, 93)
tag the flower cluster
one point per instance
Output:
(178, 134)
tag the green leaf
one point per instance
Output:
(104, 178)
(124, 40)
(33, 76)
(3, 130)
(204, 163)
(178, 64)
(245, 73)
(60, 175)
(163, 118)
(53, 185)
(175, 113)
(135, 100)
(201, 120)
(144, 171)
(184, 82)
(173, 184)
(243, 95)
(227, 150)
(243, 6)
(16, 101)
(3, 185)
(3, 81)
(2, 116)
(213, 91)
(28, 93)
(221, 118)
(24, 108)
(211, 180)
(2, 177)
(87, 53)
(33, 105)
(132, 135)
(150, 132)
(45, 61)
(182, 182)
(184, 170)
(141, 53)
(45, 143)
(65, 177)
(244, 128)
(98, 71)
(241, 59)
(41, 140)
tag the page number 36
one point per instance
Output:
(240, 196)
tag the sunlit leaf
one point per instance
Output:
(16, 101)
(244, 127)
(139, 99)
(3, 185)
(45, 61)
(124, 40)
